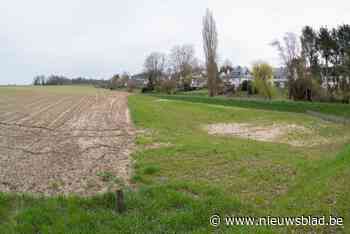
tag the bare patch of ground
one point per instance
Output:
(292, 134)
(62, 144)
(162, 100)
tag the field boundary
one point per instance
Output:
(335, 109)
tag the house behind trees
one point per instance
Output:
(239, 74)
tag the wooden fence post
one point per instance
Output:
(120, 203)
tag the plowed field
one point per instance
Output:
(61, 140)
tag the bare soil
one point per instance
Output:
(280, 133)
(60, 144)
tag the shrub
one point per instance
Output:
(263, 82)
(301, 89)
(187, 83)
(244, 85)
(168, 86)
(146, 89)
(318, 93)
(250, 88)
(131, 85)
(229, 90)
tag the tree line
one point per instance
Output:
(172, 70)
(115, 82)
(318, 63)
(62, 80)
(317, 66)
(178, 66)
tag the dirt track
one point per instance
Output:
(57, 144)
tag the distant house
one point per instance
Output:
(199, 80)
(236, 76)
(240, 74)
(141, 79)
(280, 77)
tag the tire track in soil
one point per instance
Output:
(20, 107)
(57, 136)
(23, 114)
(44, 112)
(24, 103)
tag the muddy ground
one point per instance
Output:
(61, 144)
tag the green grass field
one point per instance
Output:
(182, 175)
(337, 109)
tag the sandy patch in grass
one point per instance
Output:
(162, 100)
(291, 134)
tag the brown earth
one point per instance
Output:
(59, 144)
(280, 133)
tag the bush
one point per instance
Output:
(146, 89)
(229, 90)
(187, 83)
(318, 93)
(346, 97)
(131, 85)
(266, 89)
(168, 86)
(250, 88)
(244, 85)
(263, 79)
(301, 89)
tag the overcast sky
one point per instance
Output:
(100, 38)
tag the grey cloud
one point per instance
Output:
(100, 38)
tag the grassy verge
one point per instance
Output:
(263, 177)
(183, 175)
(342, 110)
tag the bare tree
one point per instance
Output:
(290, 53)
(182, 62)
(210, 45)
(125, 77)
(154, 67)
(37, 80)
(198, 66)
(182, 59)
(226, 66)
(115, 82)
(290, 50)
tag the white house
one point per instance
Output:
(236, 76)
(240, 74)
(199, 80)
(141, 79)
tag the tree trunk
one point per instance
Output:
(212, 80)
